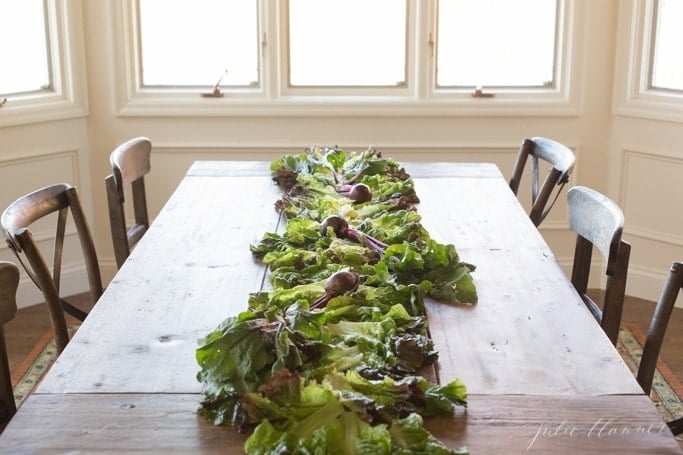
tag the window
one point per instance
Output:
(485, 43)
(25, 68)
(350, 57)
(649, 67)
(666, 60)
(347, 43)
(199, 43)
(44, 78)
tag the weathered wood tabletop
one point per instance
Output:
(541, 375)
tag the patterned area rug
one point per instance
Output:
(666, 389)
(30, 372)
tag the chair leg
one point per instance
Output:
(676, 426)
(73, 311)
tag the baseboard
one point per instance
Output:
(74, 281)
(647, 284)
(641, 283)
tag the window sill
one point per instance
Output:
(653, 106)
(389, 106)
(15, 113)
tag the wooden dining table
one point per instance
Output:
(541, 375)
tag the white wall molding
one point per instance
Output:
(32, 157)
(632, 226)
(655, 236)
(73, 277)
(14, 157)
(647, 281)
(649, 238)
(73, 272)
(632, 96)
(279, 149)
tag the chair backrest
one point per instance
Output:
(561, 160)
(599, 222)
(57, 199)
(9, 281)
(658, 324)
(130, 162)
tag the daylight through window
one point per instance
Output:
(196, 43)
(25, 68)
(349, 43)
(666, 56)
(496, 43)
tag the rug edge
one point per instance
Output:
(21, 370)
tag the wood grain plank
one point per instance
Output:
(229, 169)
(452, 170)
(548, 425)
(191, 270)
(156, 423)
(476, 213)
(540, 372)
(529, 332)
(194, 269)
(136, 423)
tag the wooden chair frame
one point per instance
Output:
(61, 199)
(9, 282)
(130, 162)
(658, 325)
(599, 222)
(559, 156)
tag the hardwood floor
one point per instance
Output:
(639, 312)
(28, 327)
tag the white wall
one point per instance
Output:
(78, 150)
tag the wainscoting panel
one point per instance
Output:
(653, 207)
(642, 195)
(22, 175)
(176, 159)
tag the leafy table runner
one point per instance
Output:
(330, 357)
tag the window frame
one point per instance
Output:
(561, 92)
(286, 89)
(67, 97)
(654, 33)
(219, 81)
(469, 88)
(634, 96)
(418, 97)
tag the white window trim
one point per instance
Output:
(559, 100)
(358, 93)
(68, 98)
(417, 98)
(632, 96)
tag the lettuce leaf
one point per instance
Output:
(343, 377)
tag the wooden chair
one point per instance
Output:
(59, 199)
(655, 334)
(9, 281)
(599, 222)
(559, 156)
(130, 162)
